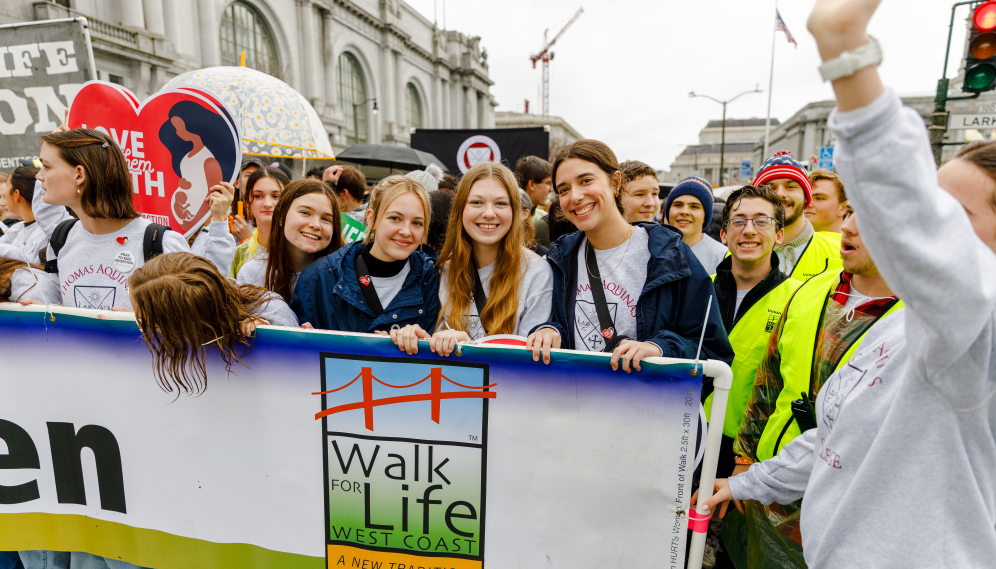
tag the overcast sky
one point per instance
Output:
(623, 71)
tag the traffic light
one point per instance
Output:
(980, 64)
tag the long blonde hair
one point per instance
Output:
(182, 304)
(386, 191)
(499, 314)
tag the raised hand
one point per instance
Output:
(331, 174)
(221, 197)
(840, 25)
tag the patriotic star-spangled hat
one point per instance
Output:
(784, 165)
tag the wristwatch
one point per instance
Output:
(849, 62)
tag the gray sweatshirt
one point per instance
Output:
(277, 312)
(94, 269)
(215, 243)
(900, 470)
(29, 283)
(30, 238)
(535, 295)
(214, 248)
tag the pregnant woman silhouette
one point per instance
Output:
(202, 148)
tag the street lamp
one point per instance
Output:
(722, 143)
(356, 122)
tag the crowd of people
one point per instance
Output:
(854, 308)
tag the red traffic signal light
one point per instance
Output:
(985, 16)
(980, 62)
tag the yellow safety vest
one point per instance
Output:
(822, 254)
(749, 338)
(796, 345)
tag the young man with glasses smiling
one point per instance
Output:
(751, 292)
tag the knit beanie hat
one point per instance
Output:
(784, 165)
(696, 187)
(429, 178)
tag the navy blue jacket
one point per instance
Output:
(328, 295)
(671, 307)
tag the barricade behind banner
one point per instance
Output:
(338, 450)
(51, 61)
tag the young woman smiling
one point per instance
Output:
(379, 283)
(262, 190)
(654, 293)
(305, 226)
(485, 252)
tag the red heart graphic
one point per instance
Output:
(178, 143)
(608, 332)
(365, 280)
(122, 240)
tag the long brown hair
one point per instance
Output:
(499, 314)
(182, 304)
(7, 268)
(279, 271)
(106, 190)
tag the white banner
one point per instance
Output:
(482, 458)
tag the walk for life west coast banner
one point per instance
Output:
(486, 459)
(42, 66)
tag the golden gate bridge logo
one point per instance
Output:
(435, 395)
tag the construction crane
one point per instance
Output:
(545, 55)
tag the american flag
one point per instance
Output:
(780, 25)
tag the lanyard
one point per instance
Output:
(367, 286)
(480, 299)
(601, 306)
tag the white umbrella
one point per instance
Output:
(274, 119)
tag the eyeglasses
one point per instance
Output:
(762, 223)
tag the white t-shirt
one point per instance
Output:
(624, 274)
(94, 269)
(388, 287)
(535, 295)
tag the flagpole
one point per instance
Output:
(771, 82)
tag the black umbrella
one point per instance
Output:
(400, 157)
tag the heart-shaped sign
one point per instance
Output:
(122, 240)
(178, 144)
